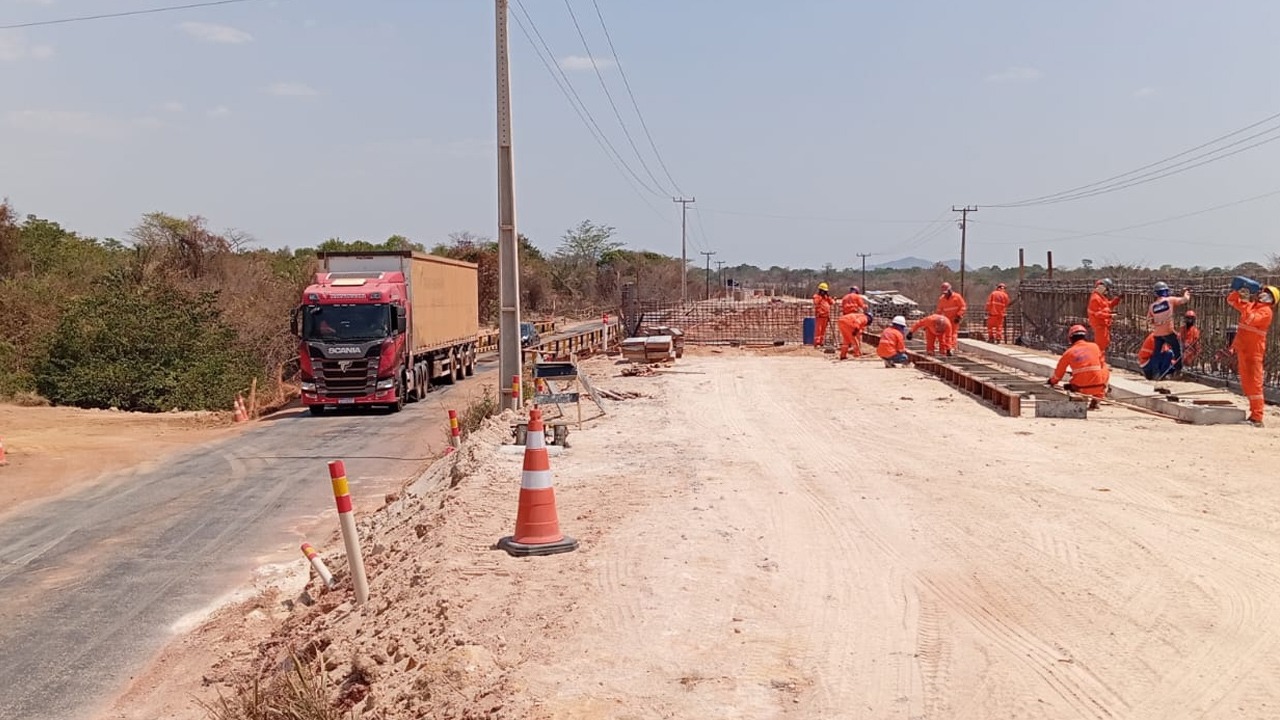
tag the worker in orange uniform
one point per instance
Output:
(1189, 336)
(1161, 315)
(997, 305)
(937, 333)
(1251, 338)
(953, 306)
(851, 325)
(1089, 371)
(854, 302)
(822, 303)
(1154, 367)
(1102, 310)
(893, 343)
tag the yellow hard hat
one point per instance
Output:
(822, 286)
(1274, 292)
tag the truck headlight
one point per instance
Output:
(386, 384)
(308, 387)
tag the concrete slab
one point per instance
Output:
(1125, 387)
(1062, 409)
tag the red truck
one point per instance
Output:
(380, 328)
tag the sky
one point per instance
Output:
(808, 131)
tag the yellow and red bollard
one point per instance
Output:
(347, 518)
(318, 563)
(516, 395)
(455, 432)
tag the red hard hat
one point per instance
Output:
(1077, 330)
(1190, 314)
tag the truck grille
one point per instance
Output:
(358, 377)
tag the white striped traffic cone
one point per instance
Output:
(537, 523)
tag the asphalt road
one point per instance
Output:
(91, 583)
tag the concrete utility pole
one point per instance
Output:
(708, 254)
(720, 274)
(509, 351)
(964, 224)
(684, 253)
(864, 257)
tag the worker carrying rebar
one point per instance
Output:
(1102, 310)
(822, 303)
(997, 305)
(952, 304)
(1161, 315)
(1189, 336)
(1089, 371)
(937, 334)
(853, 302)
(851, 325)
(893, 343)
(1251, 337)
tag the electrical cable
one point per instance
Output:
(127, 13)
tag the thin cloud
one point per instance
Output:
(173, 106)
(292, 89)
(1145, 92)
(14, 46)
(1015, 74)
(219, 111)
(209, 32)
(580, 62)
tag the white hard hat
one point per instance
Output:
(899, 320)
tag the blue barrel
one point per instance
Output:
(810, 329)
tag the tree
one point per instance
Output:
(395, 242)
(576, 265)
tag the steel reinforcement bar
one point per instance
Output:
(987, 383)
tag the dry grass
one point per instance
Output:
(27, 398)
(483, 407)
(300, 694)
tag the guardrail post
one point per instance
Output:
(350, 539)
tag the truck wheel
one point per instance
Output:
(459, 366)
(471, 363)
(316, 409)
(399, 403)
(452, 375)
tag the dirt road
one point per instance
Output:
(790, 537)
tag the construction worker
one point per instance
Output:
(952, 305)
(1089, 371)
(851, 325)
(893, 344)
(1161, 315)
(937, 333)
(1251, 338)
(1154, 367)
(1189, 336)
(1102, 310)
(997, 305)
(854, 302)
(822, 302)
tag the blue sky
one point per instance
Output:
(298, 120)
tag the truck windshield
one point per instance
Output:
(344, 323)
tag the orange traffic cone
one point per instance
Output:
(537, 524)
(240, 414)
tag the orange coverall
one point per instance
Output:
(953, 307)
(1101, 310)
(1190, 339)
(1089, 371)
(851, 326)
(892, 343)
(937, 333)
(997, 304)
(822, 315)
(1250, 345)
(852, 303)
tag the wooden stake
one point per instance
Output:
(253, 399)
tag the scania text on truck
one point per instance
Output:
(380, 328)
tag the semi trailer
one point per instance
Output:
(383, 328)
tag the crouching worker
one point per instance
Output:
(851, 326)
(1089, 372)
(937, 333)
(893, 343)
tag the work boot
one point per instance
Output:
(1255, 423)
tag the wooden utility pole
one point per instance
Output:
(720, 274)
(684, 253)
(1022, 266)
(964, 225)
(708, 254)
(864, 257)
(509, 350)
(1050, 252)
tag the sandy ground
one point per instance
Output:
(787, 536)
(53, 450)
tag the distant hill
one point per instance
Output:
(907, 263)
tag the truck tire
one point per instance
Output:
(459, 365)
(316, 409)
(398, 405)
(471, 363)
(448, 378)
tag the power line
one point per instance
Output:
(584, 114)
(1132, 177)
(127, 13)
(609, 96)
(816, 218)
(924, 234)
(634, 104)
